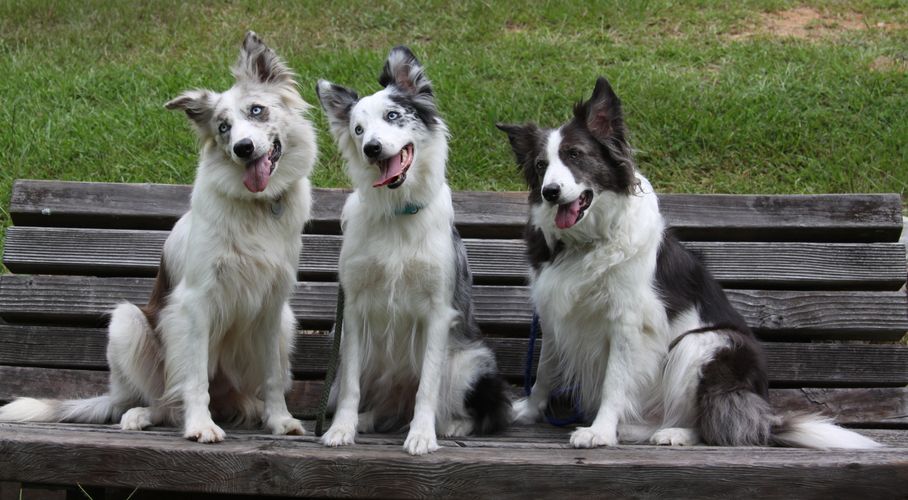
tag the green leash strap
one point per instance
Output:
(332, 362)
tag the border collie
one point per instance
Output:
(218, 328)
(411, 349)
(633, 321)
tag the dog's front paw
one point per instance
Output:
(586, 437)
(420, 442)
(522, 412)
(204, 432)
(339, 434)
(675, 436)
(136, 419)
(286, 425)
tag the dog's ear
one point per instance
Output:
(337, 101)
(524, 141)
(258, 63)
(602, 115)
(404, 71)
(196, 103)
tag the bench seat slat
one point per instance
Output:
(302, 466)
(499, 309)
(790, 364)
(785, 265)
(855, 217)
(870, 407)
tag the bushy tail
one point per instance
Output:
(488, 404)
(97, 410)
(815, 431)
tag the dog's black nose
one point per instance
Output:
(551, 192)
(372, 149)
(243, 148)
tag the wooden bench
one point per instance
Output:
(820, 279)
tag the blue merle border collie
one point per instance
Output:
(411, 350)
(633, 322)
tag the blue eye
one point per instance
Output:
(358, 130)
(393, 115)
(256, 110)
(223, 127)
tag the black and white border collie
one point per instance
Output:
(411, 350)
(632, 321)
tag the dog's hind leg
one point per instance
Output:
(136, 367)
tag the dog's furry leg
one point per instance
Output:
(280, 329)
(617, 390)
(528, 410)
(343, 425)
(422, 438)
(185, 326)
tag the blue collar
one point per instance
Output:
(409, 209)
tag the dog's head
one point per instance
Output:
(384, 135)
(568, 168)
(253, 129)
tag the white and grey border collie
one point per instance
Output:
(411, 350)
(218, 329)
(633, 322)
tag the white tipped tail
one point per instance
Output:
(814, 431)
(97, 410)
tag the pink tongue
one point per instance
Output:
(567, 214)
(390, 171)
(257, 174)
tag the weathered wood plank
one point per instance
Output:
(300, 466)
(790, 364)
(500, 310)
(539, 436)
(104, 252)
(870, 407)
(853, 217)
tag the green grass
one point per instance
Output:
(84, 82)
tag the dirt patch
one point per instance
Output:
(885, 63)
(807, 23)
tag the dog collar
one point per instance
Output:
(277, 207)
(409, 209)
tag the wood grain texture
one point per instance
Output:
(865, 407)
(853, 217)
(500, 310)
(790, 364)
(104, 252)
(300, 466)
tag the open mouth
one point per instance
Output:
(393, 170)
(571, 213)
(258, 171)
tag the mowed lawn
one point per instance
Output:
(754, 97)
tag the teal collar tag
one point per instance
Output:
(409, 209)
(277, 207)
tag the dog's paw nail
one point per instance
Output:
(339, 435)
(586, 437)
(420, 442)
(206, 433)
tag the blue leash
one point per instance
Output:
(577, 415)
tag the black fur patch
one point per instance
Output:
(488, 404)
(423, 109)
(733, 395)
(684, 283)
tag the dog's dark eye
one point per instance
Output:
(393, 115)
(223, 127)
(358, 130)
(256, 110)
(573, 154)
(540, 165)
